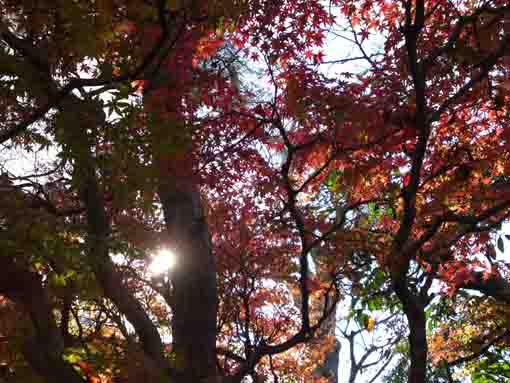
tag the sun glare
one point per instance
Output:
(162, 261)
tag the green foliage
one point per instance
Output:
(494, 368)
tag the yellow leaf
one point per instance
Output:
(370, 324)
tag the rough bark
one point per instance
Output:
(414, 309)
(44, 350)
(417, 343)
(194, 282)
(329, 368)
(331, 363)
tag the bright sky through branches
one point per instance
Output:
(162, 261)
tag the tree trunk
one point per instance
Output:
(44, 350)
(414, 310)
(79, 141)
(194, 282)
(417, 345)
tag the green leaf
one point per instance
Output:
(374, 304)
(74, 355)
(58, 280)
(332, 179)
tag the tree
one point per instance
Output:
(277, 203)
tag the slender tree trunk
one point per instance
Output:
(79, 141)
(329, 368)
(414, 310)
(417, 345)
